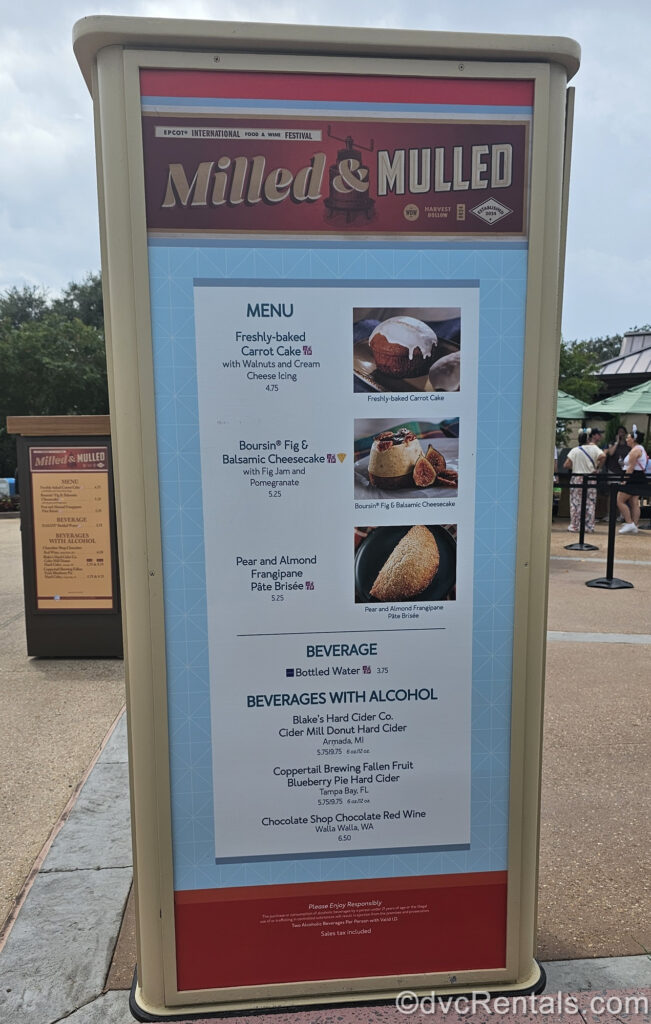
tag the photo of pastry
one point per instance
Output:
(415, 349)
(412, 457)
(405, 563)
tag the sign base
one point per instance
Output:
(533, 984)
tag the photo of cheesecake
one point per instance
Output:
(392, 459)
(412, 458)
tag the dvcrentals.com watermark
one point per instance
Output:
(408, 1002)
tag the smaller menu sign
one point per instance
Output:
(72, 539)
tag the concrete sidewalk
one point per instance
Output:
(55, 714)
(595, 883)
(57, 956)
(60, 959)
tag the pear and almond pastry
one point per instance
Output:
(410, 568)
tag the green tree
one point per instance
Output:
(83, 301)
(22, 305)
(577, 370)
(605, 348)
(53, 361)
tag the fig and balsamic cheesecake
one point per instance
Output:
(403, 347)
(393, 456)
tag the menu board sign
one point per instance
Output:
(71, 517)
(338, 286)
(342, 658)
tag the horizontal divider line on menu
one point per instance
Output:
(335, 632)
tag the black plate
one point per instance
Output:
(376, 548)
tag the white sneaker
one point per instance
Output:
(628, 528)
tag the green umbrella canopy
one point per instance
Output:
(568, 407)
(634, 400)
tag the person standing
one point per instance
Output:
(601, 508)
(616, 452)
(635, 481)
(596, 435)
(584, 460)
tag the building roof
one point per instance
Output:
(636, 362)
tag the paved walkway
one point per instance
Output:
(55, 714)
(595, 883)
(58, 953)
(59, 960)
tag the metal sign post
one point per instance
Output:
(333, 267)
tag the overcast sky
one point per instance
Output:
(48, 206)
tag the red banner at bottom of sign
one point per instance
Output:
(270, 934)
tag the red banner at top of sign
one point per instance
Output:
(292, 155)
(67, 460)
(337, 88)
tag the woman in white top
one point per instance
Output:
(628, 498)
(584, 460)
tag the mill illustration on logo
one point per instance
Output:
(349, 181)
(491, 210)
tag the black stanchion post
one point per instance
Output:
(609, 582)
(581, 545)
